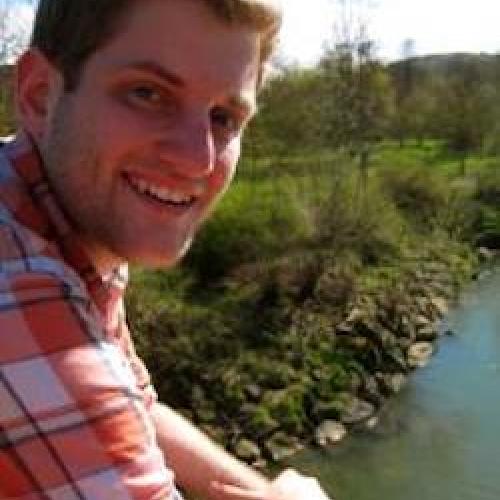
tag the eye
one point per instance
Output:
(146, 95)
(225, 119)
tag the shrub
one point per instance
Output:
(488, 187)
(418, 192)
(358, 217)
(251, 225)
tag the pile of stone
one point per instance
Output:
(388, 335)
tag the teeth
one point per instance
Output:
(178, 198)
(160, 193)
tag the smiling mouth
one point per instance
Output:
(159, 194)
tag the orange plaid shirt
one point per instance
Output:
(74, 396)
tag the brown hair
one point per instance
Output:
(68, 32)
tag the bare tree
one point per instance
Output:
(14, 29)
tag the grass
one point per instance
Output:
(287, 254)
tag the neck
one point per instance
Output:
(102, 258)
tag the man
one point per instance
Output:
(131, 115)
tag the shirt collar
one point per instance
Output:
(42, 213)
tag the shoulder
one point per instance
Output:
(29, 263)
(6, 139)
(63, 375)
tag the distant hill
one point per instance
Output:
(482, 66)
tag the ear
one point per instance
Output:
(38, 87)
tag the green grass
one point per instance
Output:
(288, 252)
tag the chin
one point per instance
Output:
(165, 259)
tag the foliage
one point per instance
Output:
(487, 222)
(6, 101)
(419, 193)
(284, 129)
(242, 336)
(360, 95)
(258, 220)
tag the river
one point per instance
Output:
(440, 438)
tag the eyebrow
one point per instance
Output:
(158, 71)
(247, 105)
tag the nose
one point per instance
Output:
(188, 146)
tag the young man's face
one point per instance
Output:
(141, 150)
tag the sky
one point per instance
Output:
(436, 26)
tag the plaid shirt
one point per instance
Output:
(74, 397)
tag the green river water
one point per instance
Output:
(440, 438)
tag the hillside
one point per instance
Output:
(483, 66)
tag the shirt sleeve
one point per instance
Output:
(73, 420)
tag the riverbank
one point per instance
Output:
(440, 437)
(294, 324)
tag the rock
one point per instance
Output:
(206, 414)
(247, 450)
(407, 328)
(373, 358)
(370, 384)
(261, 465)
(186, 413)
(259, 420)
(395, 359)
(281, 446)
(253, 391)
(355, 410)
(355, 382)
(485, 254)
(355, 342)
(421, 321)
(444, 290)
(366, 328)
(371, 391)
(440, 305)
(386, 338)
(404, 343)
(215, 433)
(286, 406)
(419, 275)
(485, 273)
(372, 422)
(355, 314)
(391, 383)
(330, 432)
(422, 303)
(435, 267)
(327, 410)
(343, 329)
(376, 332)
(419, 354)
(427, 333)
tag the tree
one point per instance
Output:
(358, 85)
(404, 82)
(288, 119)
(13, 34)
(14, 28)
(461, 99)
